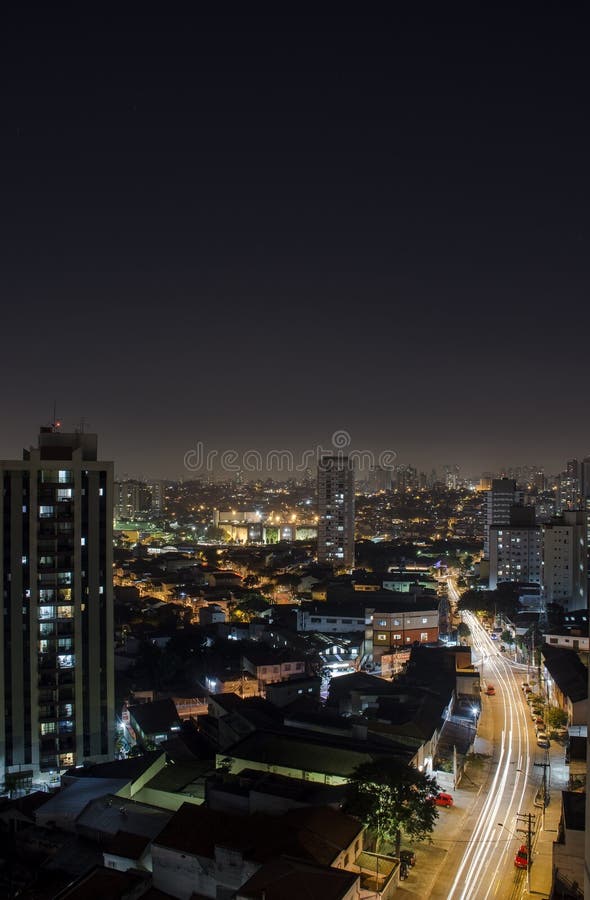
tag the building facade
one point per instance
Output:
(516, 549)
(56, 631)
(565, 570)
(336, 511)
(499, 500)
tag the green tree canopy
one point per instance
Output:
(556, 717)
(392, 798)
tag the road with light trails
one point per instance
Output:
(482, 867)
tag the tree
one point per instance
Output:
(214, 533)
(506, 637)
(556, 717)
(391, 797)
(463, 630)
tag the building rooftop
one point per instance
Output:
(317, 834)
(291, 879)
(101, 882)
(127, 845)
(157, 717)
(568, 672)
(128, 769)
(327, 754)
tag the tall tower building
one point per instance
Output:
(500, 499)
(565, 554)
(336, 511)
(56, 631)
(516, 549)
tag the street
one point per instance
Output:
(481, 841)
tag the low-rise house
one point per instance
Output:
(292, 879)
(285, 692)
(153, 723)
(268, 666)
(331, 617)
(567, 682)
(209, 853)
(126, 850)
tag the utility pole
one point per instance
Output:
(529, 820)
(544, 765)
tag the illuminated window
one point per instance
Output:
(47, 727)
(66, 660)
(47, 612)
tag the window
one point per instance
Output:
(382, 623)
(381, 636)
(424, 620)
(397, 637)
(424, 636)
(46, 512)
(66, 660)
(47, 728)
(46, 612)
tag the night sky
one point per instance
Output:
(253, 231)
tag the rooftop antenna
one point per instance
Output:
(55, 423)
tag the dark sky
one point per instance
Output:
(253, 231)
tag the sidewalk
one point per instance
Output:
(542, 857)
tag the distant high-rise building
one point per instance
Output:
(336, 511)
(565, 576)
(500, 499)
(379, 479)
(56, 631)
(132, 499)
(157, 497)
(569, 487)
(515, 548)
(452, 477)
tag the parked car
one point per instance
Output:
(442, 799)
(543, 740)
(490, 690)
(521, 860)
(528, 690)
(525, 684)
(408, 857)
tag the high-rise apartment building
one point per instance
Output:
(56, 630)
(568, 493)
(515, 549)
(336, 511)
(132, 499)
(565, 575)
(379, 479)
(500, 499)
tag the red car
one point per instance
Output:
(521, 860)
(490, 690)
(442, 799)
